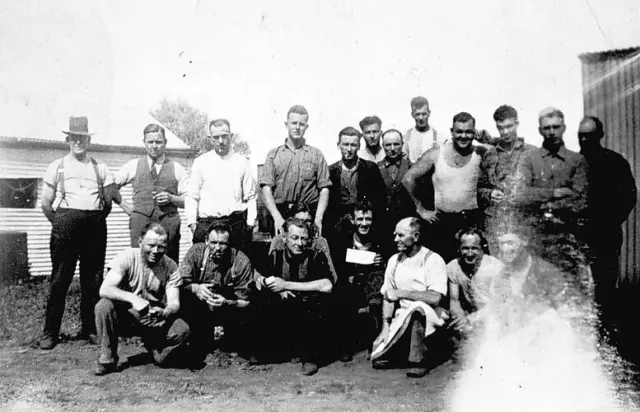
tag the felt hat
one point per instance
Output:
(78, 126)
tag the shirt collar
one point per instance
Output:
(517, 145)
(560, 154)
(344, 168)
(159, 160)
(396, 162)
(292, 148)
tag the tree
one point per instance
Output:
(190, 125)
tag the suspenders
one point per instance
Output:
(60, 178)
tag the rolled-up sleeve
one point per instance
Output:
(268, 174)
(323, 173)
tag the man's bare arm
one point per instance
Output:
(429, 297)
(48, 196)
(421, 168)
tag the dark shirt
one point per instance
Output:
(509, 161)
(399, 203)
(318, 245)
(296, 175)
(230, 277)
(612, 190)
(543, 171)
(348, 185)
(307, 267)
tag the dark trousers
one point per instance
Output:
(290, 327)
(604, 248)
(440, 236)
(411, 342)
(237, 221)
(285, 210)
(76, 235)
(358, 305)
(202, 320)
(170, 222)
(163, 341)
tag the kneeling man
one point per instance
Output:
(415, 283)
(215, 293)
(292, 300)
(134, 292)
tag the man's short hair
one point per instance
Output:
(473, 231)
(299, 208)
(505, 112)
(419, 101)
(463, 117)
(393, 131)
(153, 227)
(294, 221)
(219, 228)
(297, 109)
(219, 123)
(153, 128)
(550, 112)
(415, 225)
(349, 131)
(599, 130)
(363, 205)
(369, 120)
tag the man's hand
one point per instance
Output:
(275, 284)
(392, 295)
(378, 260)
(382, 337)
(460, 323)
(193, 227)
(286, 294)
(497, 195)
(431, 216)
(278, 222)
(318, 223)
(562, 192)
(163, 198)
(203, 291)
(216, 301)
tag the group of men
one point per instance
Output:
(370, 251)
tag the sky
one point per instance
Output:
(249, 61)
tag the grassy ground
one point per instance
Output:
(61, 379)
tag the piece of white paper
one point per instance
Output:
(361, 257)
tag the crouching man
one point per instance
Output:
(292, 301)
(215, 292)
(133, 293)
(415, 282)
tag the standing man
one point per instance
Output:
(552, 190)
(611, 196)
(415, 283)
(85, 188)
(295, 173)
(159, 185)
(393, 168)
(141, 290)
(216, 292)
(422, 136)
(292, 301)
(462, 176)
(352, 179)
(221, 189)
(371, 127)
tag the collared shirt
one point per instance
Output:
(150, 283)
(349, 184)
(392, 166)
(219, 186)
(80, 182)
(307, 267)
(543, 171)
(230, 277)
(128, 171)
(318, 245)
(295, 175)
(510, 162)
(365, 153)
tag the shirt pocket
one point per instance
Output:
(308, 172)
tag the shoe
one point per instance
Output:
(90, 338)
(255, 361)
(379, 365)
(47, 342)
(105, 368)
(295, 360)
(346, 357)
(417, 371)
(309, 368)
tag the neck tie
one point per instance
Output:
(154, 172)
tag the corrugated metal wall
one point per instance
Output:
(611, 87)
(25, 163)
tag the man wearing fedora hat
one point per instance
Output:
(159, 185)
(79, 230)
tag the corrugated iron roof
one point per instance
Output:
(607, 54)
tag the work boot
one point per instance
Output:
(416, 370)
(309, 368)
(47, 342)
(105, 368)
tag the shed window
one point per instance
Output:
(18, 193)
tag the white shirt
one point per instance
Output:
(365, 153)
(416, 274)
(219, 186)
(416, 143)
(127, 172)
